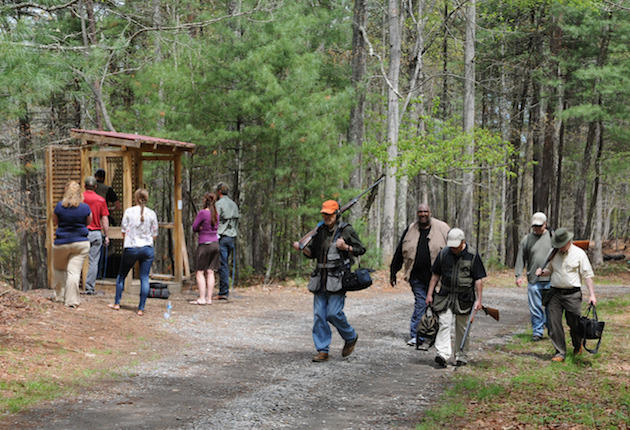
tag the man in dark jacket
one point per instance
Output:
(461, 273)
(333, 246)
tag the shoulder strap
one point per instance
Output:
(527, 248)
(340, 228)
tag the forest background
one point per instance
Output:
(489, 111)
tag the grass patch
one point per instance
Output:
(17, 396)
(517, 386)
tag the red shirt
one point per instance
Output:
(98, 206)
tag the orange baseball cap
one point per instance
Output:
(329, 207)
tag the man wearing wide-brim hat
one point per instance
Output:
(569, 270)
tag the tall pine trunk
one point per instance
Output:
(393, 124)
(512, 201)
(28, 226)
(356, 129)
(580, 227)
(468, 177)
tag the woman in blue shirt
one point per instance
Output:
(71, 245)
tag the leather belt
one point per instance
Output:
(565, 291)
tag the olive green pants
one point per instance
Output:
(571, 305)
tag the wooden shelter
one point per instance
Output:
(121, 155)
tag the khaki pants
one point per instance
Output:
(67, 264)
(443, 338)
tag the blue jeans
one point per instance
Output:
(226, 247)
(534, 299)
(328, 308)
(420, 306)
(130, 256)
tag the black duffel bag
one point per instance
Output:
(590, 328)
(159, 293)
(358, 280)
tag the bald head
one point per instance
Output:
(424, 215)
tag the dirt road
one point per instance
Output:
(246, 364)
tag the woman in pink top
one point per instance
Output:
(207, 257)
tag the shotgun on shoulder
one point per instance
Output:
(308, 236)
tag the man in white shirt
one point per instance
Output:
(569, 270)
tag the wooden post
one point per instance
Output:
(127, 190)
(86, 165)
(50, 227)
(127, 180)
(177, 217)
(86, 169)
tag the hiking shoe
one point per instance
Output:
(440, 362)
(578, 351)
(423, 346)
(558, 358)
(412, 341)
(536, 338)
(320, 356)
(460, 363)
(219, 297)
(348, 347)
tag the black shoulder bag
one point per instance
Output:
(358, 280)
(590, 328)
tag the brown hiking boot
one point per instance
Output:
(348, 347)
(558, 358)
(320, 356)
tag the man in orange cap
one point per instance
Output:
(334, 245)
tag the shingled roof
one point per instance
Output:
(146, 143)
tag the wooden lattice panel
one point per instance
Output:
(65, 166)
(115, 169)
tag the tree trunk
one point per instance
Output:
(556, 212)
(598, 256)
(444, 101)
(157, 22)
(516, 127)
(551, 118)
(28, 227)
(90, 38)
(537, 148)
(468, 177)
(392, 128)
(596, 182)
(579, 215)
(356, 129)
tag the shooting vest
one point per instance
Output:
(436, 238)
(457, 289)
(335, 266)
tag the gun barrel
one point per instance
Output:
(308, 236)
(465, 337)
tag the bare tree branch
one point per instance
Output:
(32, 5)
(372, 53)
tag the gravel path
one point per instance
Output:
(246, 365)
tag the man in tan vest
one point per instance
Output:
(419, 245)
